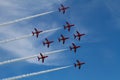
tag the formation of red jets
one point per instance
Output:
(62, 38)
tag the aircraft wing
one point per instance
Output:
(48, 45)
(41, 55)
(67, 23)
(37, 35)
(62, 6)
(78, 61)
(77, 32)
(46, 39)
(62, 36)
(52, 41)
(79, 38)
(63, 41)
(68, 29)
(75, 50)
(79, 67)
(42, 60)
(63, 11)
(73, 44)
(35, 29)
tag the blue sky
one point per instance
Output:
(98, 19)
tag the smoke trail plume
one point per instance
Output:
(36, 73)
(17, 38)
(51, 30)
(30, 57)
(22, 19)
(26, 36)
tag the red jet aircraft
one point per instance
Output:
(78, 35)
(74, 47)
(41, 57)
(62, 8)
(68, 26)
(47, 42)
(63, 38)
(36, 32)
(79, 64)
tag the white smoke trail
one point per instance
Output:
(17, 38)
(26, 36)
(36, 73)
(30, 57)
(51, 30)
(22, 19)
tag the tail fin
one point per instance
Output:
(59, 39)
(64, 26)
(75, 65)
(33, 33)
(38, 58)
(74, 36)
(43, 43)
(70, 48)
(59, 9)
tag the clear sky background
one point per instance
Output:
(98, 19)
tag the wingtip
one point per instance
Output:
(64, 42)
(40, 53)
(52, 41)
(61, 35)
(83, 63)
(69, 30)
(48, 45)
